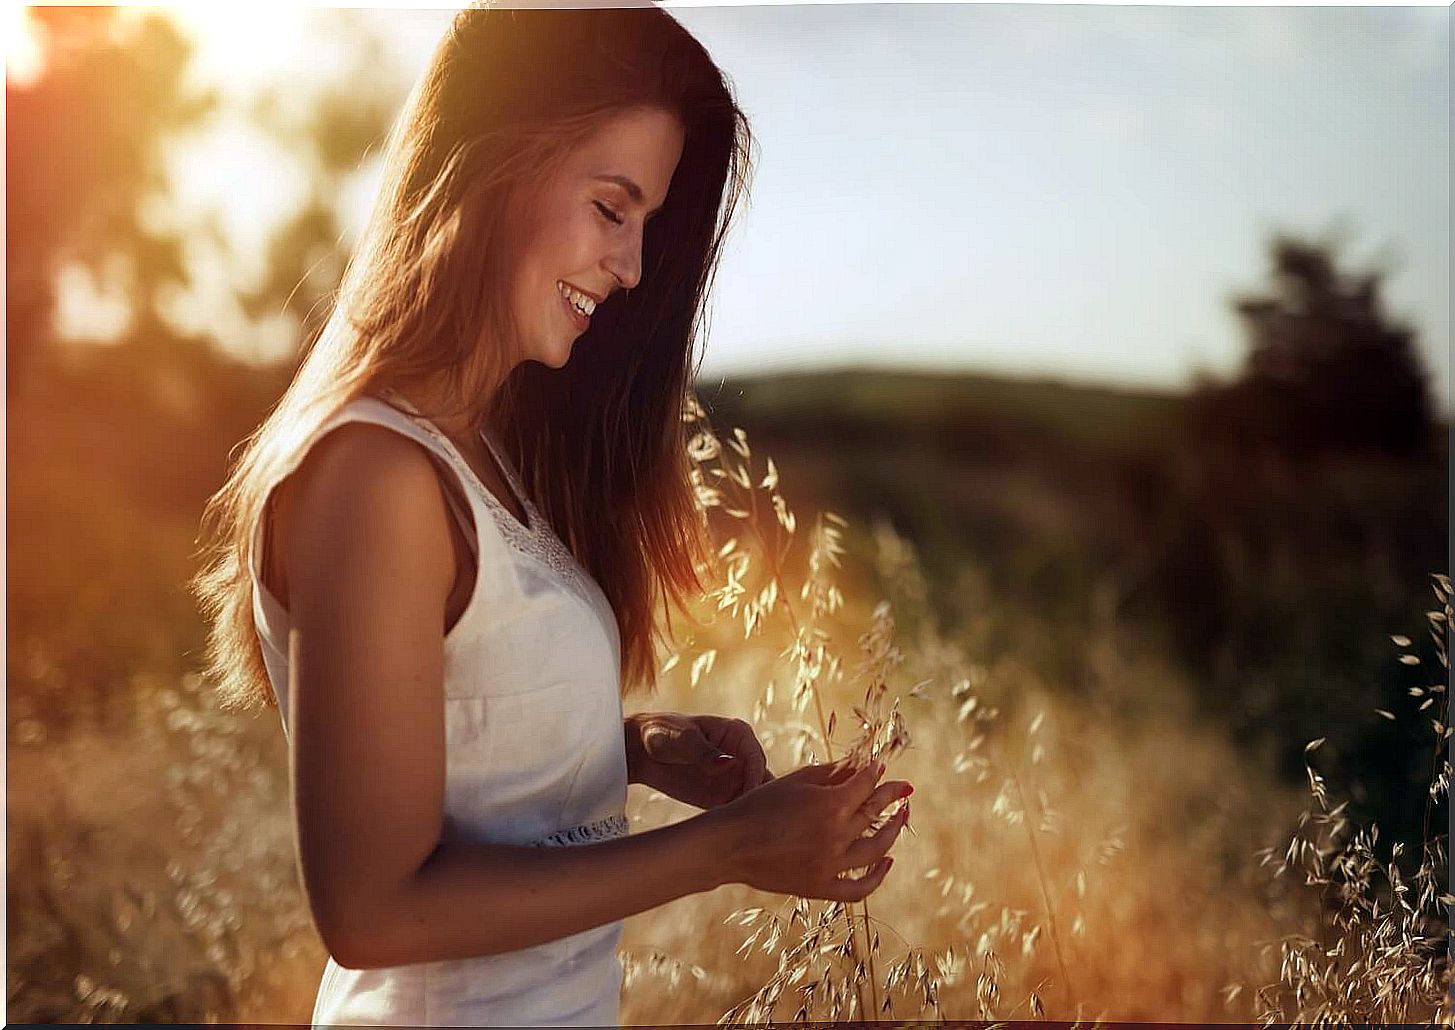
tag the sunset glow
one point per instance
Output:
(24, 56)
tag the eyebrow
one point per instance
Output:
(632, 189)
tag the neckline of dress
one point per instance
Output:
(531, 526)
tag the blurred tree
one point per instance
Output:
(84, 150)
(99, 528)
(1305, 506)
(1326, 372)
(331, 136)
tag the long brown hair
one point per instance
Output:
(600, 443)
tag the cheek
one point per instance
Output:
(572, 238)
(561, 241)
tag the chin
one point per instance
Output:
(556, 359)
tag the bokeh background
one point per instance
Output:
(1060, 307)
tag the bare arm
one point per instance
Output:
(534, 895)
(366, 545)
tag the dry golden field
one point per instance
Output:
(1101, 858)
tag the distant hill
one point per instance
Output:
(991, 414)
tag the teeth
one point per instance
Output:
(579, 300)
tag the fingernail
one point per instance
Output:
(888, 862)
(907, 791)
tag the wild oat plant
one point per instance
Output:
(1118, 916)
(1383, 955)
(829, 952)
(833, 960)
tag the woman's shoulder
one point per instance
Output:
(295, 443)
(366, 459)
(356, 443)
(368, 476)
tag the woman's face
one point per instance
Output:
(586, 233)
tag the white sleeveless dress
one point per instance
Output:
(534, 753)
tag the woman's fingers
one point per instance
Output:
(884, 795)
(756, 765)
(867, 850)
(847, 889)
(823, 774)
(855, 789)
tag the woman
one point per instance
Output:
(443, 552)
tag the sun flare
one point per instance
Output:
(24, 54)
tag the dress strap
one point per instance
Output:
(513, 480)
(495, 567)
(458, 507)
(511, 525)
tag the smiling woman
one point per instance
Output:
(443, 554)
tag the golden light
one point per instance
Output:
(24, 52)
(239, 46)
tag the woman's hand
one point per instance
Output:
(680, 756)
(796, 834)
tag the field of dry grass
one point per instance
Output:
(1097, 855)
(1068, 862)
(1055, 857)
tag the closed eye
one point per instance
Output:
(611, 215)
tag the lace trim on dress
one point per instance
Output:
(539, 542)
(587, 833)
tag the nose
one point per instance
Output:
(625, 261)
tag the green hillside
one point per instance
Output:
(956, 411)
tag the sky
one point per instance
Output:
(1072, 191)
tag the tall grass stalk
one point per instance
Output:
(813, 660)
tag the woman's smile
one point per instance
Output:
(579, 319)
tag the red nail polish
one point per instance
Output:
(907, 791)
